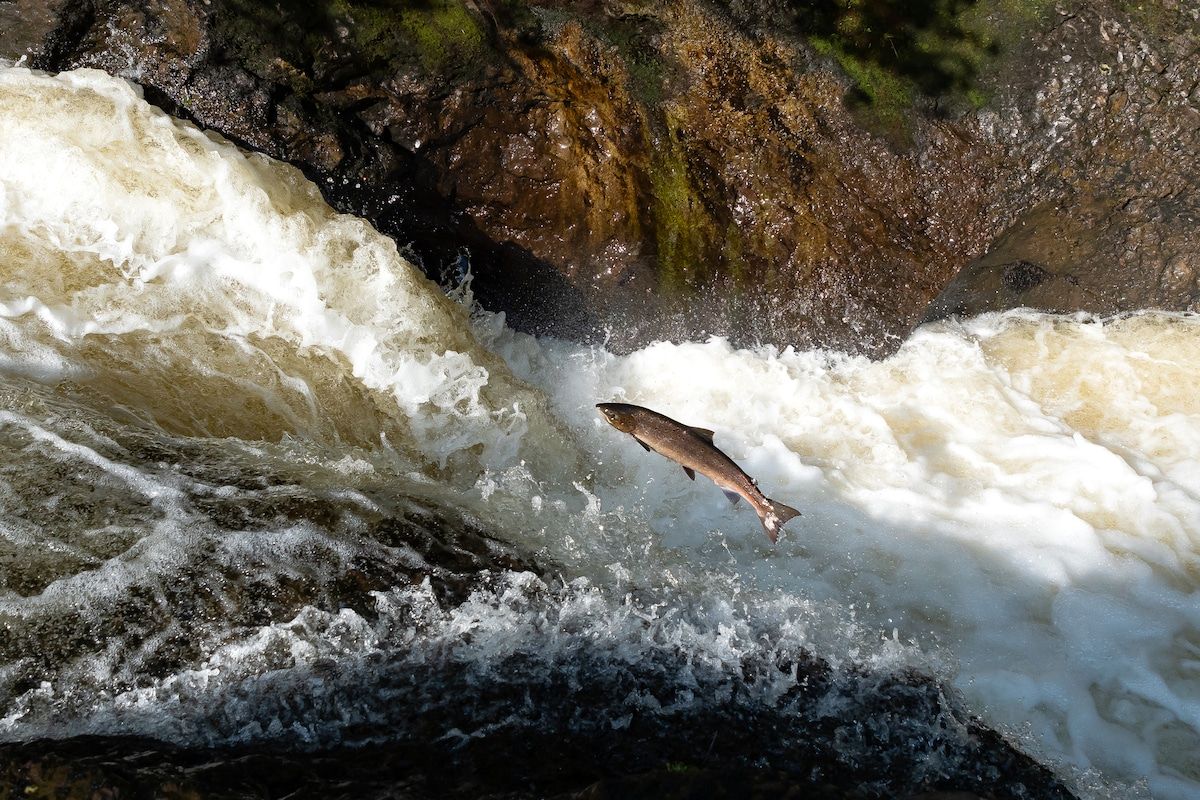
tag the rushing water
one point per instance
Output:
(220, 397)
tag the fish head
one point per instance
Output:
(619, 415)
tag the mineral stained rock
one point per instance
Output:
(811, 173)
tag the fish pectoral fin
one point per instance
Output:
(645, 446)
(691, 473)
(703, 433)
(734, 497)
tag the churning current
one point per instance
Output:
(216, 392)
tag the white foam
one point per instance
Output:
(1019, 490)
(125, 221)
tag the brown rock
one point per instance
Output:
(1105, 158)
(688, 168)
(27, 27)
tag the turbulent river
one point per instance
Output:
(241, 438)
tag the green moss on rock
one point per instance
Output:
(290, 40)
(443, 35)
(896, 52)
(632, 35)
(683, 229)
(880, 98)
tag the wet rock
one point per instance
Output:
(1105, 134)
(1021, 276)
(37, 32)
(513, 754)
(665, 171)
(671, 170)
(701, 784)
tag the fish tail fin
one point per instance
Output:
(776, 515)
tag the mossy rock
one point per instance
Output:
(441, 35)
(684, 229)
(436, 37)
(899, 54)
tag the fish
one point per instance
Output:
(693, 449)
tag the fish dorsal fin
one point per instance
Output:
(733, 496)
(691, 473)
(645, 446)
(703, 433)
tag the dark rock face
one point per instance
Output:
(131, 768)
(867, 753)
(670, 170)
(1104, 115)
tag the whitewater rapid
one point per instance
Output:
(186, 332)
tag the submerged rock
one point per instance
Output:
(923, 747)
(135, 768)
(664, 170)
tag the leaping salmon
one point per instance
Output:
(693, 449)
